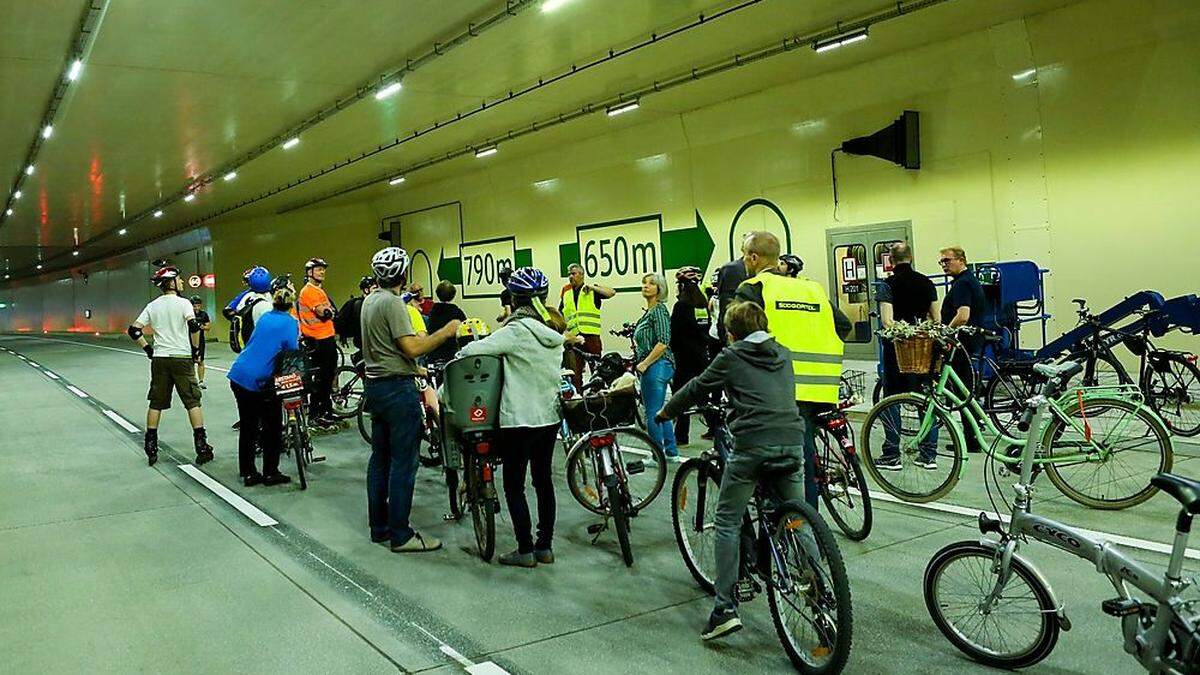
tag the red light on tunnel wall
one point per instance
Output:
(210, 281)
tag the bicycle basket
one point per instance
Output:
(853, 385)
(914, 355)
(610, 367)
(603, 411)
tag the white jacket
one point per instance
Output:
(532, 353)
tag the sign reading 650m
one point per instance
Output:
(620, 253)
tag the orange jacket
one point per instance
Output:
(312, 301)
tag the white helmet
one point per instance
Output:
(390, 264)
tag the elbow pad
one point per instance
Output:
(134, 332)
(193, 326)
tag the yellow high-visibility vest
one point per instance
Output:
(583, 319)
(801, 319)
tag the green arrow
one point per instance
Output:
(688, 246)
(567, 254)
(524, 258)
(449, 269)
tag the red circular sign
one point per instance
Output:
(194, 281)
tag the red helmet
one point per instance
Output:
(164, 275)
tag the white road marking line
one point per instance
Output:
(1133, 542)
(50, 375)
(486, 668)
(33, 364)
(453, 653)
(232, 498)
(337, 572)
(125, 424)
(111, 349)
(77, 391)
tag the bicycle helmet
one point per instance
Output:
(246, 275)
(165, 275)
(504, 274)
(390, 265)
(314, 263)
(196, 300)
(474, 327)
(259, 280)
(367, 282)
(528, 282)
(793, 264)
(689, 275)
(282, 290)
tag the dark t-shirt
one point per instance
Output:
(911, 294)
(965, 291)
(729, 276)
(202, 317)
(441, 314)
(688, 339)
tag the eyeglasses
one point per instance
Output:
(945, 261)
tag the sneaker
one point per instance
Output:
(417, 544)
(888, 464)
(236, 425)
(276, 479)
(204, 454)
(151, 447)
(252, 480)
(203, 386)
(518, 559)
(720, 623)
(927, 464)
(675, 459)
(544, 556)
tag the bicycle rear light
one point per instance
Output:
(602, 441)
(483, 447)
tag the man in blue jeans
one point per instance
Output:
(390, 349)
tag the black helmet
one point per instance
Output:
(793, 263)
(367, 282)
(196, 300)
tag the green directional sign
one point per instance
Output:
(620, 252)
(477, 266)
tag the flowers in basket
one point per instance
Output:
(903, 330)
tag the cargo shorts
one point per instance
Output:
(171, 372)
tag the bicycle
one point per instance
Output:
(296, 442)
(1095, 432)
(837, 466)
(995, 606)
(470, 410)
(348, 390)
(786, 547)
(613, 471)
(431, 433)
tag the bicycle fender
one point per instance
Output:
(1061, 612)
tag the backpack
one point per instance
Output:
(345, 323)
(241, 325)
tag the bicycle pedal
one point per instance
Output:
(635, 467)
(745, 590)
(317, 458)
(596, 528)
(1120, 606)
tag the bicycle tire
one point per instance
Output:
(483, 511)
(1054, 471)
(1005, 396)
(692, 501)
(620, 516)
(297, 448)
(836, 587)
(580, 465)
(1181, 387)
(835, 461)
(887, 480)
(1048, 628)
(364, 424)
(346, 398)
(877, 392)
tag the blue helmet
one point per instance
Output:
(259, 280)
(528, 282)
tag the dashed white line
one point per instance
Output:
(486, 668)
(233, 499)
(33, 364)
(77, 391)
(50, 375)
(125, 424)
(138, 352)
(339, 573)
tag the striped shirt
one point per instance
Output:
(654, 327)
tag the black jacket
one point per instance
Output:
(756, 374)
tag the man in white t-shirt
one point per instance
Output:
(176, 347)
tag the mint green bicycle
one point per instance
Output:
(1100, 448)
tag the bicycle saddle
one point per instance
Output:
(1185, 490)
(1064, 370)
(780, 466)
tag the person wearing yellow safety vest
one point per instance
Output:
(804, 321)
(579, 303)
(689, 344)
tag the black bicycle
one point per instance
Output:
(785, 546)
(296, 442)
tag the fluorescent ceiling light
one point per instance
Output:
(47, 131)
(29, 170)
(551, 5)
(623, 108)
(39, 266)
(291, 143)
(1024, 74)
(387, 91)
(121, 232)
(846, 39)
(8, 212)
(484, 152)
(73, 73)
(189, 198)
(158, 213)
(17, 194)
(230, 176)
(396, 181)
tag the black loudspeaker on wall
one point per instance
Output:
(899, 142)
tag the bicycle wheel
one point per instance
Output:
(1131, 446)
(897, 421)
(620, 516)
(1005, 396)
(1019, 630)
(483, 509)
(1171, 384)
(347, 393)
(295, 444)
(843, 487)
(809, 592)
(877, 392)
(364, 424)
(430, 449)
(635, 450)
(694, 496)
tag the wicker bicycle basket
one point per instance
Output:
(914, 355)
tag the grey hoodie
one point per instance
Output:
(532, 353)
(756, 374)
